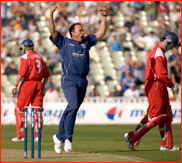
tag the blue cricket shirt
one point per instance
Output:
(74, 57)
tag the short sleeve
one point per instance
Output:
(59, 41)
(46, 72)
(92, 39)
(24, 67)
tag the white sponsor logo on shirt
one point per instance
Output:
(78, 55)
(83, 46)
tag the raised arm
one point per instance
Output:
(51, 22)
(102, 28)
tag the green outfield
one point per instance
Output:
(101, 143)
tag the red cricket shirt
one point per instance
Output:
(33, 67)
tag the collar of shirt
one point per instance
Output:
(78, 45)
(161, 48)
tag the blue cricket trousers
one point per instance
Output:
(74, 88)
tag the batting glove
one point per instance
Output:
(13, 89)
(175, 89)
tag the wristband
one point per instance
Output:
(15, 85)
(104, 15)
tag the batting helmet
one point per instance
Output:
(172, 38)
(26, 42)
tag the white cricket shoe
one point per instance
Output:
(58, 144)
(125, 135)
(68, 147)
(174, 148)
(17, 140)
(129, 144)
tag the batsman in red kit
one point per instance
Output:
(31, 72)
(159, 111)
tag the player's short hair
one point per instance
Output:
(162, 39)
(29, 48)
(72, 28)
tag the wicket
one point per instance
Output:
(32, 131)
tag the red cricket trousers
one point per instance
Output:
(30, 92)
(158, 98)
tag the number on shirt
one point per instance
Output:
(38, 66)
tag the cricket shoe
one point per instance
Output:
(136, 144)
(174, 148)
(125, 135)
(17, 140)
(58, 144)
(129, 144)
(68, 147)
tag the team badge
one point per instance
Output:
(83, 46)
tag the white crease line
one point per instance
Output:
(125, 158)
(130, 159)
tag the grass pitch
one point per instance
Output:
(91, 143)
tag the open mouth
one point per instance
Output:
(82, 36)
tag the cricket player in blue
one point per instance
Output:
(75, 65)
